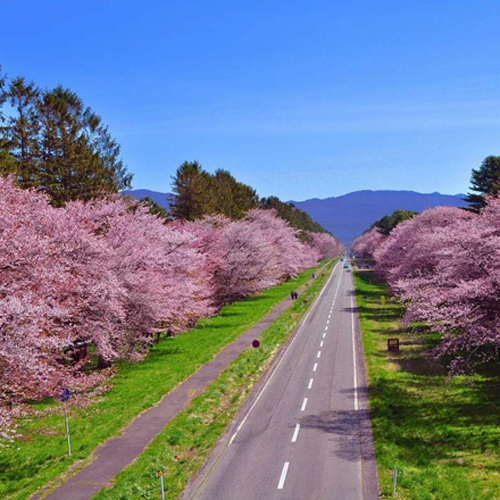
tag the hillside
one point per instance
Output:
(349, 215)
(163, 199)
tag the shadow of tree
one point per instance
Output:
(350, 430)
(439, 422)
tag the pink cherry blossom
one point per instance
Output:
(366, 244)
(444, 265)
(107, 274)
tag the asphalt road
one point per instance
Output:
(305, 434)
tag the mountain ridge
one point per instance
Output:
(348, 215)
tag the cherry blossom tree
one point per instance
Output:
(366, 244)
(407, 252)
(249, 255)
(241, 259)
(326, 245)
(292, 255)
(162, 270)
(56, 286)
(445, 266)
(455, 287)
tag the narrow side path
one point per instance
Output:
(118, 452)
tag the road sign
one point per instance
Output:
(393, 344)
(65, 394)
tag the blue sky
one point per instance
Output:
(301, 99)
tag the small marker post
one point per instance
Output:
(162, 485)
(66, 393)
(67, 430)
(394, 482)
(256, 345)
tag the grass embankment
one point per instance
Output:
(441, 433)
(185, 443)
(41, 455)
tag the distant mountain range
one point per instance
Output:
(163, 199)
(347, 216)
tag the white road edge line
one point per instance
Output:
(354, 360)
(355, 375)
(304, 404)
(296, 433)
(283, 357)
(310, 383)
(283, 475)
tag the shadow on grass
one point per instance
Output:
(424, 420)
(374, 314)
(432, 420)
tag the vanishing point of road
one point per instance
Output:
(305, 434)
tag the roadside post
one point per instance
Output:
(256, 345)
(162, 485)
(66, 393)
(395, 482)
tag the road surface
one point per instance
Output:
(305, 434)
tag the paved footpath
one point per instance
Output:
(305, 434)
(119, 452)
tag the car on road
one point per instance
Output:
(345, 266)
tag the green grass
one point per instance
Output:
(441, 433)
(185, 443)
(40, 456)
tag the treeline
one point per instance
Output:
(387, 223)
(295, 216)
(444, 265)
(199, 193)
(51, 141)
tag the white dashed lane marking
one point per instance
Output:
(283, 475)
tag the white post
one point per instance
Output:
(395, 481)
(67, 430)
(162, 486)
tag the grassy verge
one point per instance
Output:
(441, 433)
(40, 456)
(183, 446)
